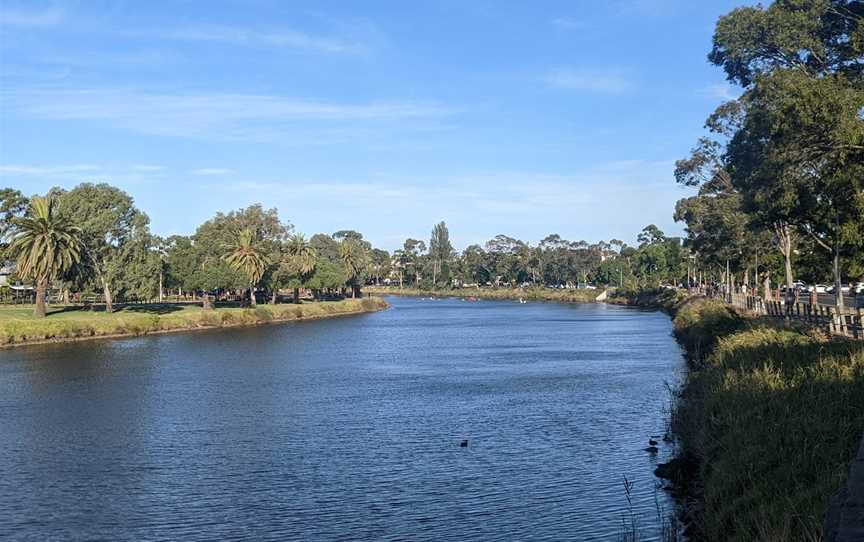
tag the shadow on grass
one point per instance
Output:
(155, 308)
(772, 419)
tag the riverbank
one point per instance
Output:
(528, 294)
(18, 327)
(768, 422)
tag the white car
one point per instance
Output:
(819, 289)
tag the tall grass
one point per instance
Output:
(16, 328)
(768, 422)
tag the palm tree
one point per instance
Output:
(354, 260)
(302, 259)
(47, 246)
(246, 257)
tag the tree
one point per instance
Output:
(799, 153)
(300, 261)
(247, 257)
(410, 257)
(354, 260)
(475, 265)
(650, 235)
(46, 244)
(12, 204)
(380, 263)
(110, 225)
(440, 252)
(215, 236)
(800, 156)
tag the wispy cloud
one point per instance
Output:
(29, 18)
(568, 23)
(598, 82)
(643, 192)
(647, 8)
(249, 37)
(48, 170)
(720, 91)
(222, 116)
(47, 175)
(210, 171)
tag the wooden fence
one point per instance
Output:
(846, 323)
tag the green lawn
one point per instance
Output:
(18, 326)
(25, 312)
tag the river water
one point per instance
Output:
(344, 429)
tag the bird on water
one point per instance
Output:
(463, 444)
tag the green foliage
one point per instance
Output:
(246, 256)
(45, 244)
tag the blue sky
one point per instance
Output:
(522, 118)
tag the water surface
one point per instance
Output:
(344, 429)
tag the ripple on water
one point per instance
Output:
(343, 429)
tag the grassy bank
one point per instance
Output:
(18, 326)
(651, 298)
(768, 422)
(531, 294)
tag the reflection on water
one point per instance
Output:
(345, 429)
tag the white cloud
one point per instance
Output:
(64, 174)
(210, 171)
(30, 19)
(568, 23)
(600, 82)
(720, 91)
(285, 38)
(48, 171)
(641, 192)
(221, 116)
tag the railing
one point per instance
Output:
(848, 322)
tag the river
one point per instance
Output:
(344, 429)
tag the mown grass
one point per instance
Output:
(531, 294)
(18, 326)
(768, 421)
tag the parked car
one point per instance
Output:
(858, 288)
(844, 289)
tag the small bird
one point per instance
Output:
(652, 442)
(463, 444)
(651, 449)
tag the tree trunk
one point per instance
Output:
(252, 302)
(784, 237)
(767, 286)
(109, 304)
(274, 297)
(207, 303)
(838, 291)
(160, 285)
(41, 287)
(353, 292)
(296, 296)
